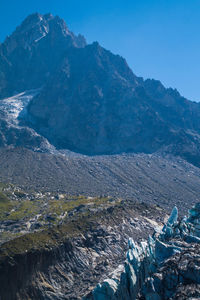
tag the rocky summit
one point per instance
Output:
(88, 101)
(33, 51)
(164, 267)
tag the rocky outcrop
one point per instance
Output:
(67, 261)
(164, 267)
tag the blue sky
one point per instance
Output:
(159, 38)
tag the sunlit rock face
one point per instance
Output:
(164, 267)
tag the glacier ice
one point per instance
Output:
(141, 276)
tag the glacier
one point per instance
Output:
(14, 108)
(166, 266)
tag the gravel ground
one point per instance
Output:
(148, 178)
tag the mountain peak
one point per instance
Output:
(33, 51)
(33, 21)
(90, 101)
(37, 18)
(36, 27)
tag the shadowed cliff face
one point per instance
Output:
(97, 105)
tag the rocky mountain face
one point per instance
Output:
(27, 58)
(89, 100)
(109, 110)
(165, 267)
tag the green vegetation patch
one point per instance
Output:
(45, 239)
(5, 206)
(4, 185)
(25, 209)
(3, 198)
(50, 238)
(30, 213)
(66, 204)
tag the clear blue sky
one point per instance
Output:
(159, 38)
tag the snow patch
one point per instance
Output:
(14, 108)
(41, 37)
